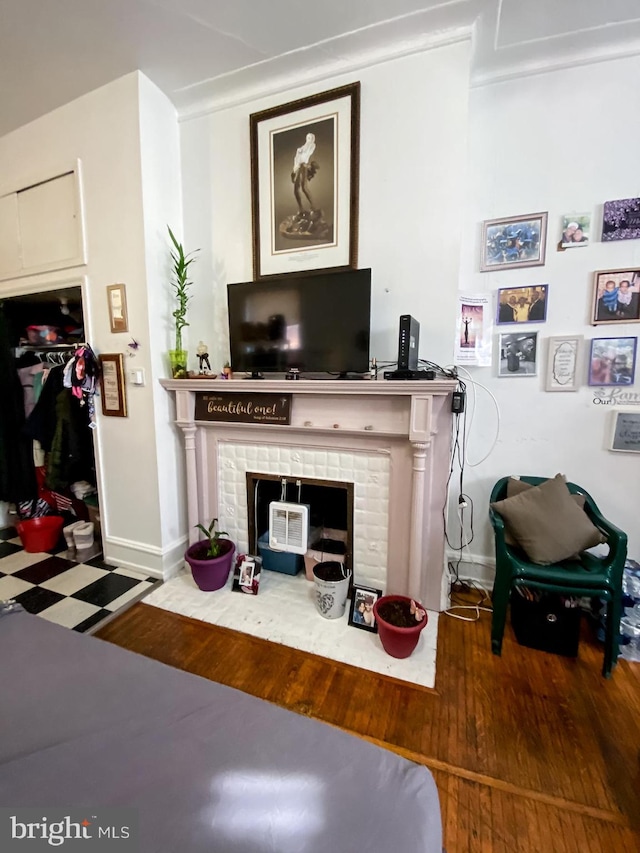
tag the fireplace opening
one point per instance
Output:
(330, 505)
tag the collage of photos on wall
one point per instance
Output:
(520, 240)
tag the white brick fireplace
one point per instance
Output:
(390, 439)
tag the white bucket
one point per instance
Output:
(331, 595)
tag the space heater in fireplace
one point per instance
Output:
(288, 527)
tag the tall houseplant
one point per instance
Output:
(180, 283)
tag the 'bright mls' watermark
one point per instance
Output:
(41, 829)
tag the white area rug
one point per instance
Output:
(284, 612)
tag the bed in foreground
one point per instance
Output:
(204, 767)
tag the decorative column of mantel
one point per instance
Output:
(422, 429)
(185, 408)
(416, 538)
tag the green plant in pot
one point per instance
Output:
(210, 559)
(180, 283)
(400, 620)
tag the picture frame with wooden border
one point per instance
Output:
(304, 184)
(117, 301)
(113, 391)
(616, 297)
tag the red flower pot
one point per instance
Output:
(398, 642)
(210, 573)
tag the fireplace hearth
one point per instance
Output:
(389, 440)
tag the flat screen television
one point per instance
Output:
(313, 324)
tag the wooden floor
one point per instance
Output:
(531, 752)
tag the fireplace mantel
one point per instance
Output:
(408, 421)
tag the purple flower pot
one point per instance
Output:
(210, 573)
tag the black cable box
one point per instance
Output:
(409, 374)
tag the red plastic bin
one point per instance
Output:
(40, 534)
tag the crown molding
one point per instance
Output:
(547, 66)
(316, 72)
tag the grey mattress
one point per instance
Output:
(86, 724)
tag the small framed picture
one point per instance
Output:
(361, 613)
(522, 304)
(246, 576)
(612, 361)
(517, 241)
(621, 220)
(518, 354)
(624, 432)
(563, 363)
(576, 230)
(117, 301)
(616, 297)
(114, 398)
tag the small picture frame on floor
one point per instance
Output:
(361, 613)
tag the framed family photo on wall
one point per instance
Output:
(516, 241)
(522, 304)
(612, 361)
(616, 297)
(518, 354)
(304, 184)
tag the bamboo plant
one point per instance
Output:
(180, 283)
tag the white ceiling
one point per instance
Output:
(204, 51)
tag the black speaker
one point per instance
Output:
(408, 341)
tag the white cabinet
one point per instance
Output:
(41, 226)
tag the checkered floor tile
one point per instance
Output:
(74, 589)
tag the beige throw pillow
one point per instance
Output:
(546, 523)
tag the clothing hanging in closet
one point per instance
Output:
(17, 474)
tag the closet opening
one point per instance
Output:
(47, 456)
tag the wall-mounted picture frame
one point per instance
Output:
(522, 304)
(616, 297)
(304, 184)
(612, 361)
(361, 613)
(113, 391)
(576, 230)
(117, 302)
(518, 354)
(564, 359)
(514, 241)
(624, 431)
(621, 220)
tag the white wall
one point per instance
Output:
(412, 157)
(106, 130)
(560, 142)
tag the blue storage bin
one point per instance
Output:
(278, 561)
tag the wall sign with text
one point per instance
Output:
(624, 434)
(243, 408)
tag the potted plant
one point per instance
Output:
(210, 558)
(400, 620)
(180, 283)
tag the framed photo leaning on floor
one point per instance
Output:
(361, 613)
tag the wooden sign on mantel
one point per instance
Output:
(243, 408)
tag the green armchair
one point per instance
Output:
(590, 576)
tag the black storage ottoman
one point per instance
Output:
(546, 621)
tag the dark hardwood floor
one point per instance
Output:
(531, 752)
